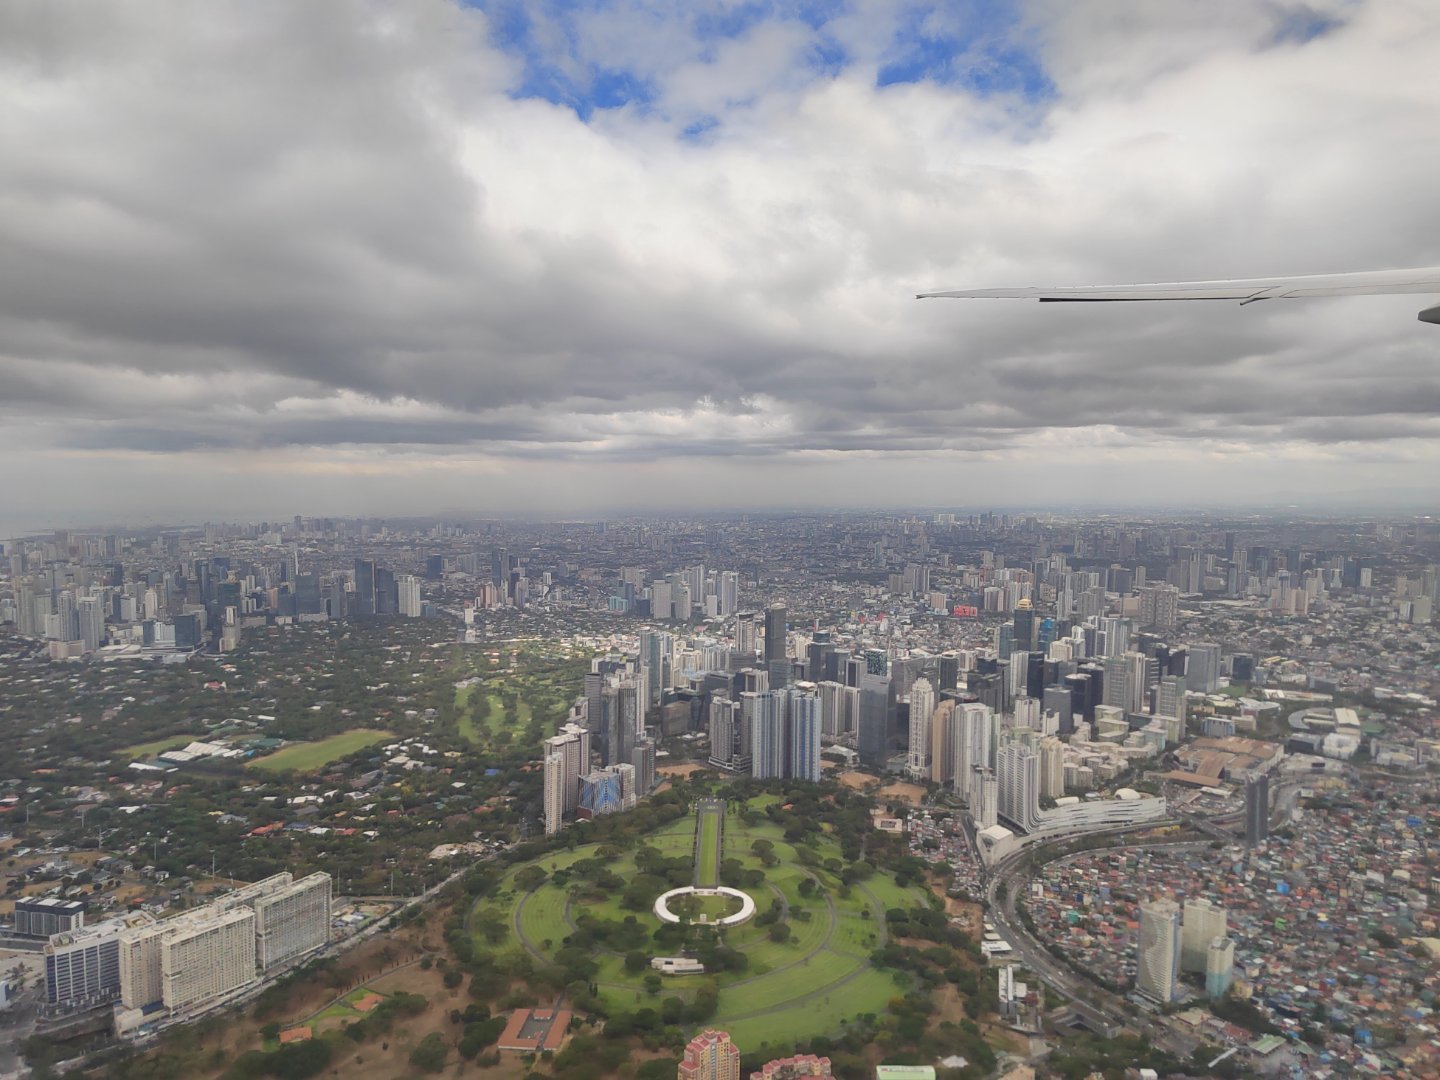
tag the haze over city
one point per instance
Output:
(559, 258)
(552, 539)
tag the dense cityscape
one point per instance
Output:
(1167, 779)
(732, 540)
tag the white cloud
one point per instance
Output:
(278, 229)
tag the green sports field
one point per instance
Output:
(304, 757)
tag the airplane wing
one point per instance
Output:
(1246, 290)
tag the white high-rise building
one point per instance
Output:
(804, 724)
(727, 593)
(408, 587)
(767, 733)
(207, 957)
(922, 709)
(1219, 967)
(567, 758)
(985, 798)
(292, 922)
(91, 618)
(1019, 786)
(1027, 713)
(1052, 768)
(976, 733)
(1203, 922)
(1159, 954)
(832, 709)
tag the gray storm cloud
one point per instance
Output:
(229, 234)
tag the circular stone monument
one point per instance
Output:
(744, 915)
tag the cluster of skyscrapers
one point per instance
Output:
(1196, 943)
(148, 968)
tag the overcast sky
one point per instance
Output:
(267, 258)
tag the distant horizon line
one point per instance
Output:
(1323, 511)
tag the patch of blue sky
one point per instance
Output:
(544, 38)
(975, 46)
(1303, 24)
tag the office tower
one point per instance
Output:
(1060, 701)
(1018, 773)
(1052, 768)
(1203, 672)
(873, 733)
(1023, 631)
(387, 596)
(1027, 713)
(710, 1056)
(567, 758)
(767, 733)
(643, 761)
(922, 708)
(832, 709)
(82, 966)
(949, 671)
(364, 586)
(1170, 697)
(1159, 953)
(726, 725)
(1202, 923)
(727, 593)
(655, 651)
(607, 791)
(307, 594)
(407, 587)
(745, 634)
(1125, 682)
(621, 719)
(48, 915)
(775, 633)
(1257, 809)
(292, 922)
(90, 623)
(434, 567)
(1219, 967)
(805, 725)
(1159, 606)
(942, 743)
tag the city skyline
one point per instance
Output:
(555, 260)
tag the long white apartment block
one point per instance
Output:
(207, 957)
(293, 921)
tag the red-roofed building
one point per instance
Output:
(710, 1056)
(799, 1067)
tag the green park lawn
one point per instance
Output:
(791, 990)
(307, 756)
(707, 869)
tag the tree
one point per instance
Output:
(780, 932)
(636, 961)
(530, 878)
(430, 1055)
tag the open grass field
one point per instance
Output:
(304, 757)
(156, 746)
(477, 725)
(791, 989)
